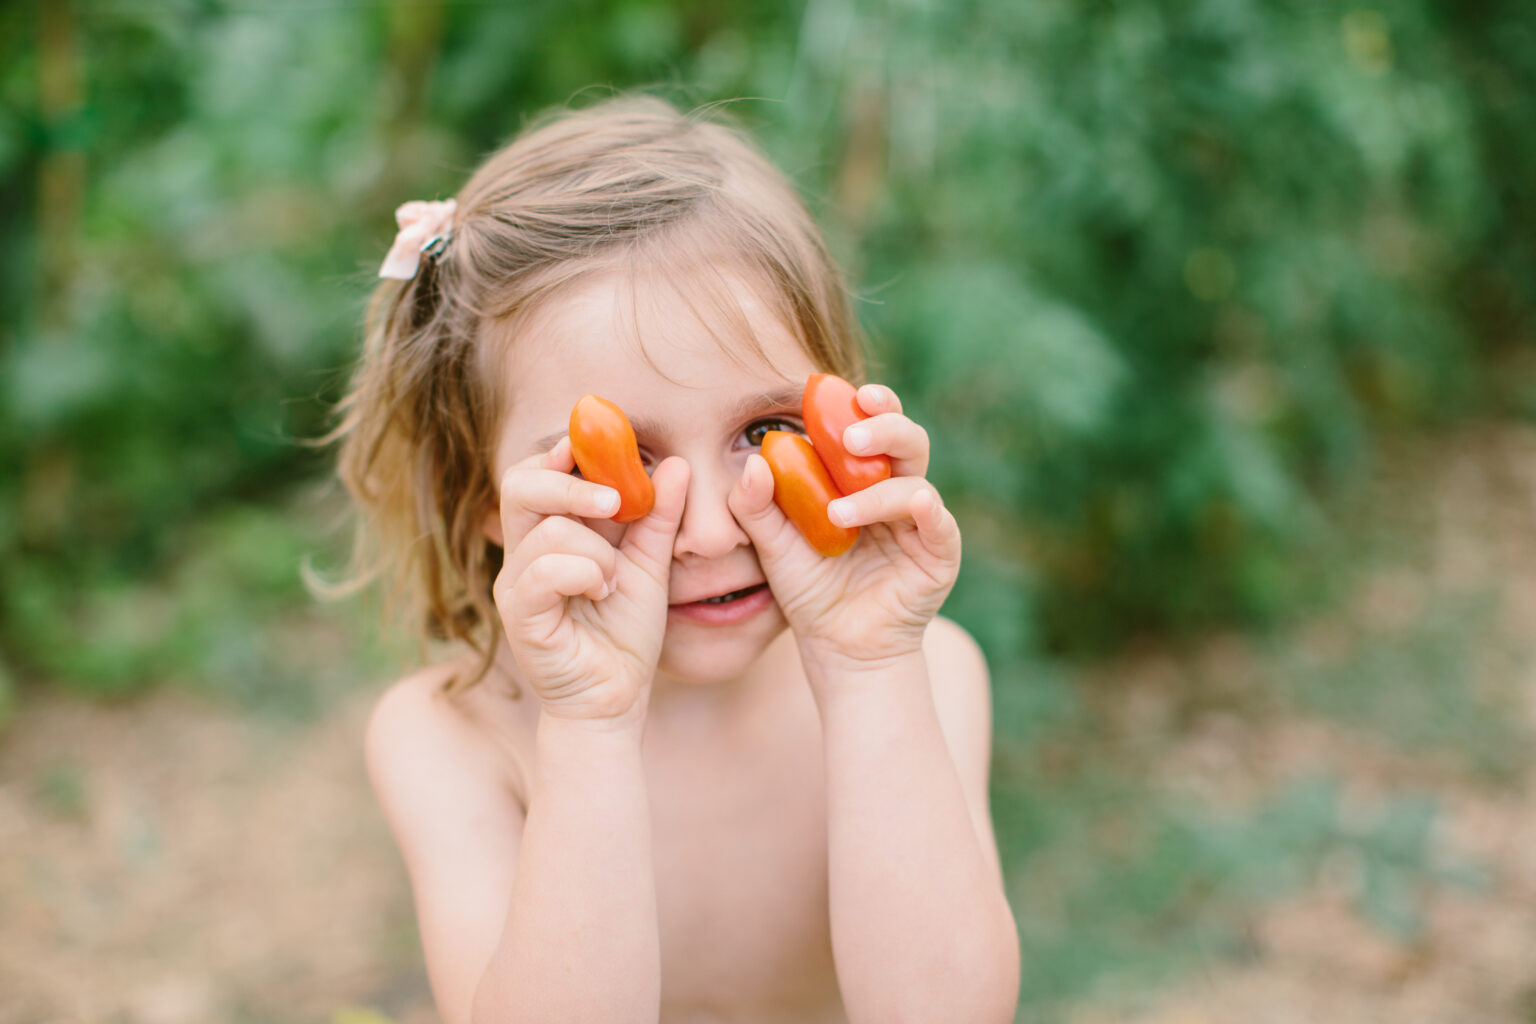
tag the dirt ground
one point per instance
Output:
(1468, 504)
(170, 859)
(167, 861)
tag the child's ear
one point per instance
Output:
(491, 527)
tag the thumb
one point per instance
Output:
(751, 502)
(648, 541)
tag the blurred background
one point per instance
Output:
(1220, 314)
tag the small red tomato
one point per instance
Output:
(604, 445)
(830, 406)
(803, 489)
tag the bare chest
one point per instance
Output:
(740, 845)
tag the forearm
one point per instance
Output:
(921, 929)
(580, 942)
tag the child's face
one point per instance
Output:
(691, 400)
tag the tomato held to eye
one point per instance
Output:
(802, 488)
(830, 406)
(604, 445)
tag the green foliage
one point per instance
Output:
(1118, 886)
(1425, 687)
(1152, 273)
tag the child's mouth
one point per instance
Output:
(725, 609)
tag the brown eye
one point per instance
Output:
(754, 433)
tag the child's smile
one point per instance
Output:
(689, 396)
(724, 610)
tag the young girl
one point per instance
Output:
(684, 769)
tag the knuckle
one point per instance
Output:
(509, 482)
(501, 588)
(543, 571)
(551, 532)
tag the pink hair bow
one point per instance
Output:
(422, 226)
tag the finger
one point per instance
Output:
(892, 434)
(648, 540)
(752, 496)
(875, 399)
(542, 486)
(936, 525)
(560, 535)
(889, 501)
(533, 606)
(751, 502)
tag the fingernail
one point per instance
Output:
(840, 511)
(606, 501)
(856, 438)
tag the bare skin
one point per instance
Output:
(683, 819)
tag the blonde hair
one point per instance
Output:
(628, 183)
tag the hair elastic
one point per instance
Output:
(425, 227)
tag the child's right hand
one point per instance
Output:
(584, 618)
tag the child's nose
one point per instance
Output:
(708, 529)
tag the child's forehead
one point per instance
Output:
(715, 331)
(666, 358)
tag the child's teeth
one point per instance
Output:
(733, 595)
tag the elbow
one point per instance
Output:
(993, 971)
(975, 980)
(489, 1005)
(1008, 971)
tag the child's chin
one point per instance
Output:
(712, 663)
(698, 671)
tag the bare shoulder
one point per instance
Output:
(420, 739)
(962, 688)
(947, 645)
(957, 668)
(414, 723)
(442, 781)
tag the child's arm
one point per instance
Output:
(920, 925)
(548, 918)
(921, 928)
(552, 917)
(580, 941)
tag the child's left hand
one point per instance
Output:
(871, 604)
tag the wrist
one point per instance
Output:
(838, 678)
(827, 663)
(617, 704)
(558, 725)
(589, 749)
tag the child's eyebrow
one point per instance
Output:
(780, 398)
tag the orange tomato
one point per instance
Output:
(803, 489)
(604, 445)
(830, 406)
